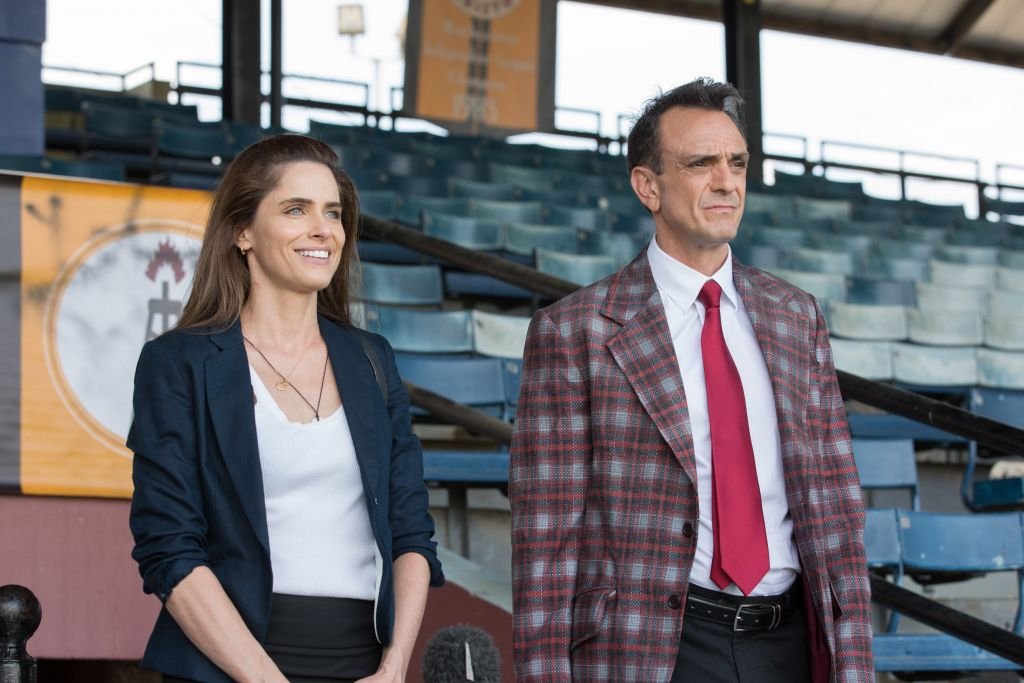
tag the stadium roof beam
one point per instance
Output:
(995, 35)
(241, 61)
(962, 24)
(742, 19)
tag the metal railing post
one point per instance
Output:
(20, 615)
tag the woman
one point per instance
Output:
(279, 510)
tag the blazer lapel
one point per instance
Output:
(230, 399)
(781, 333)
(360, 395)
(644, 351)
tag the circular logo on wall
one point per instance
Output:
(486, 9)
(120, 289)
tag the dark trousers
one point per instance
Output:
(711, 652)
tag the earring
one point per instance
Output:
(241, 250)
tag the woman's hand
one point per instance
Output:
(393, 666)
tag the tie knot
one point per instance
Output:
(710, 294)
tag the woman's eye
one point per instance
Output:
(334, 215)
(294, 211)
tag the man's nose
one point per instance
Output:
(723, 178)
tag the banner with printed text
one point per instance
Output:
(479, 65)
(104, 268)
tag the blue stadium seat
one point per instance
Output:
(523, 238)
(943, 547)
(820, 261)
(583, 270)
(950, 297)
(888, 464)
(413, 207)
(935, 366)
(870, 323)
(1005, 329)
(422, 331)
(420, 185)
(882, 547)
(381, 204)
(578, 217)
(482, 234)
(523, 176)
(970, 252)
(999, 369)
(824, 286)
(784, 238)
(620, 246)
(499, 335)
(944, 328)
(993, 494)
(758, 255)
(961, 274)
(823, 208)
(506, 212)
(476, 189)
(402, 285)
(868, 359)
(872, 291)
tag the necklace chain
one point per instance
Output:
(284, 383)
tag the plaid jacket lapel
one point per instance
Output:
(644, 352)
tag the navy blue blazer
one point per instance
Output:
(199, 491)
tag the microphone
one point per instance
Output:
(461, 653)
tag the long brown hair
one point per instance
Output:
(221, 284)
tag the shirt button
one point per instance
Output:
(687, 530)
(674, 602)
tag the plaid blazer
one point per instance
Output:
(603, 482)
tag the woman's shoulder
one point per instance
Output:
(183, 343)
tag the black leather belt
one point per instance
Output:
(744, 614)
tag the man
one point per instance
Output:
(685, 505)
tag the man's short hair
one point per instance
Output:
(644, 142)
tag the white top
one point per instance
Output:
(321, 542)
(679, 286)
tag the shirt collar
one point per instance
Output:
(682, 284)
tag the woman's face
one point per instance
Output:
(294, 242)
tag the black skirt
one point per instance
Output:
(320, 640)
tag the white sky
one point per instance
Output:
(610, 60)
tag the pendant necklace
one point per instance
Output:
(283, 383)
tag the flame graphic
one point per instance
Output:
(166, 254)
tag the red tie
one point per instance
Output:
(741, 545)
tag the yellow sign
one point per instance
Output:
(105, 267)
(487, 63)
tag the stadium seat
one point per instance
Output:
(498, 335)
(922, 251)
(423, 186)
(412, 208)
(81, 169)
(633, 223)
(475, 189)
(381, 204)
(867, 322)
(758, 255)
(961, 274)
(583, 270)
(803, 185)
(578, 217)
(858, 245)
(523, 176)
(780, 206)
(422, 331)
(807, 208)
(1010, 279)
(922, 233)
(924, 213)
(934, 365)
(1000, 369)
(888, 464)
(117, 128)
(948, 297)
(824, 286)
(1012, 258)
(882, 548)
(984, 495)
(481, 234)
(523, 238)
(506, 212)
(868, 359)
(402, 285)
(872, 291)
(820, 261)
(875, 229)
(970, 254)
(944, 328)
(784, 238)
(1005, 330)
(620, 246)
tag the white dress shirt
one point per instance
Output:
(679, 286)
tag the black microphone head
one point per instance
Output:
(445, 660)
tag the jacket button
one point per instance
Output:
(674, 602)
(687, 530)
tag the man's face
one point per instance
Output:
(697, 199)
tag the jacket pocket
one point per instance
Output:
(837, 608)
(588, 612)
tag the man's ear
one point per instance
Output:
(643, 181)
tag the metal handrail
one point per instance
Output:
(122, 76)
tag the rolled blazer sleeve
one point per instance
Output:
(412, 528)
(167, 518)
(844, 535)
(551, 451)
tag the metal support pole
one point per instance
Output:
(276, 73)
(20, 615)
(742, 21)
(240, 60)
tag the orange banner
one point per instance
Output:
(488, 63)
(105, 267)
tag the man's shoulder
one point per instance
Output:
(584, 304)
(761, 283)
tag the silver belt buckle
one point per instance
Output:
(776, 618)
